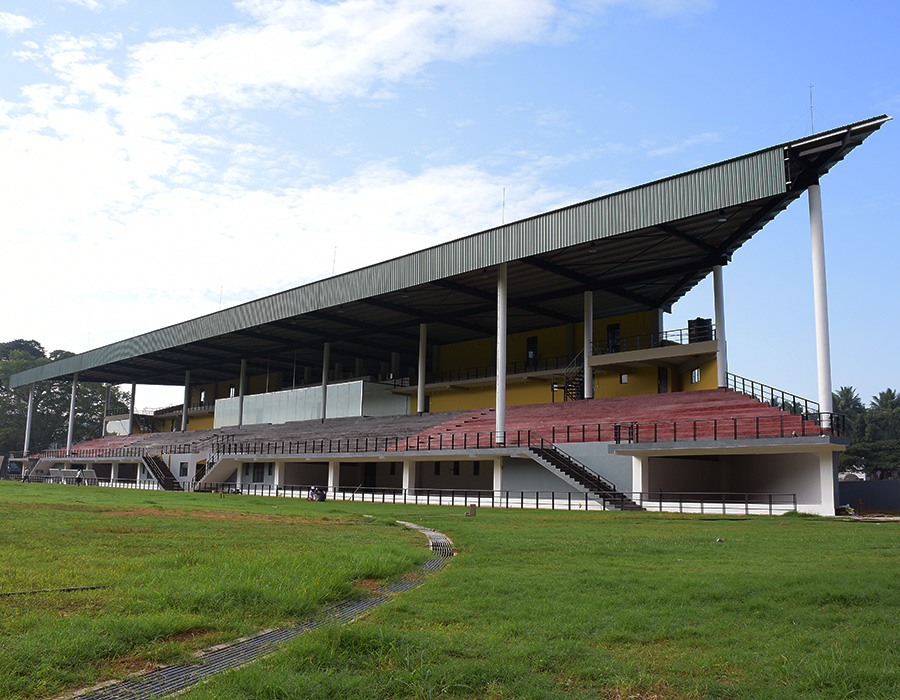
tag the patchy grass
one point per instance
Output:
(617, 605)
(538, 604)
(179, 572)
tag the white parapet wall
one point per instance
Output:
(345, 399)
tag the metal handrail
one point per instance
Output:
(772, 396)
(646, 341)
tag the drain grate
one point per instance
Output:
(165, 681)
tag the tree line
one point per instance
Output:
(50, 413)
(874, 433)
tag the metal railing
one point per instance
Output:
(646, 341)
(702, 502)
(540, 364)
(706, 429)
(772, 396)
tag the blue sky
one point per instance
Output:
(162, 160)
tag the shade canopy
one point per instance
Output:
(639, 249)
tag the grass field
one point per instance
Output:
(537, 605)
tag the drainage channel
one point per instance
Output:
(171, 679)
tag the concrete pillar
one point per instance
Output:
(828, 482)
(500, 423)
(420, 375)
(326, 351)
(131, 409)
(823, 343)
(498, 474)
(28, 418)
(721, 353)
(239, 475)
(409, 475)
(637, 473)
(242, 384)
(334, 476)
(187, 400)
(114, 472)
(105, 410)
(71, 432)
(279, 473)
(588, 344)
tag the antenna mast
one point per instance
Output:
(812, 128)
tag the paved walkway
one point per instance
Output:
(172, 679)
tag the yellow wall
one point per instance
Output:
(200, 423)
(709, 378)
(517, 394)
(552, 342)
(643, 380)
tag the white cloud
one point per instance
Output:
(15, 24)
(96, 5)
(707, 137)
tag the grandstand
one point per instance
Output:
(528, 358)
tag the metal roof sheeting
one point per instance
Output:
(756, 177)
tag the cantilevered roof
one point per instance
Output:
(637, 249)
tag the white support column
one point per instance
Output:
(28, 416)
(105, 410)
(420, 377)
(239, 474)
(71, 432)
(131, 409)
(828, 482)
(334, 476)
(721, 351)
(187, 400)
(113, 472)
(409, 475)
(823, 343)
(588, 344)
(500, 424)
(242, 382)
(637, 473)
(326, 352)
(279, 474)
(498, 474)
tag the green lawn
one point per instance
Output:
(537, 605)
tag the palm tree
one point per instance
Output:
(847, 402)
(887, 400)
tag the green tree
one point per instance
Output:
(51, 401)
(847, 402)
(874, 433)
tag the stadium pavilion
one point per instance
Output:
(525, 361)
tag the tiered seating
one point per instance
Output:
(714, 413)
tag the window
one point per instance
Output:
(231, 391)
(456, 469)
(695, 375)
(183, 469)
(476, 468)
(259, 472)
(246, 470)
(271, 468)
(437, 468)
(623, 379)
(393, 468)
